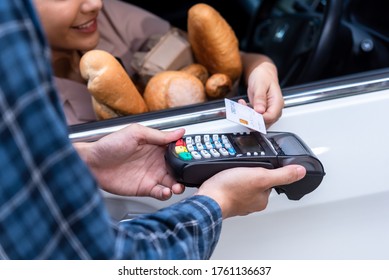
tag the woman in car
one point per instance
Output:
(76, 26)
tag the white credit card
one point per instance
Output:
(244, 115)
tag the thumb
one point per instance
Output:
(285, 175)
(158, 137)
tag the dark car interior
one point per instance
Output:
(308, 40)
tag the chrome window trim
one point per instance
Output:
(300, 97)
(333, 92)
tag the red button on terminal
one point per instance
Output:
(180, 142)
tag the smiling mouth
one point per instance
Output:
(86, 26)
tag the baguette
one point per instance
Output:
(110, 85)
(213, 41)
(102, 111)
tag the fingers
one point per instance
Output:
(258, 89)
(269, 102)
(166, 187)
(164, 193)
(242, 102)
(178, 188)
(161, 192)
(260, 99)
(275, 105)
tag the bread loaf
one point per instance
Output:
(102, 111)
(213, 41)
(198, 71)
(218, 86)
(170, 89)
(110, 85)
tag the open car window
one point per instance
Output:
(360, 83)
(355, 62)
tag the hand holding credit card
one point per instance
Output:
(244, 115)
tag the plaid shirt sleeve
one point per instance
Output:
(50, 205)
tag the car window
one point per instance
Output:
(359, 50)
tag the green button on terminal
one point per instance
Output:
(185, 156)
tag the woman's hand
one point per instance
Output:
(263, 90)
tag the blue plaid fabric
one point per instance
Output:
(50, 205)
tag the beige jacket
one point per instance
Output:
(123, 29)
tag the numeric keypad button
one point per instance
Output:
(205, 154)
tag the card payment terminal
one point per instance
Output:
(195, 158)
